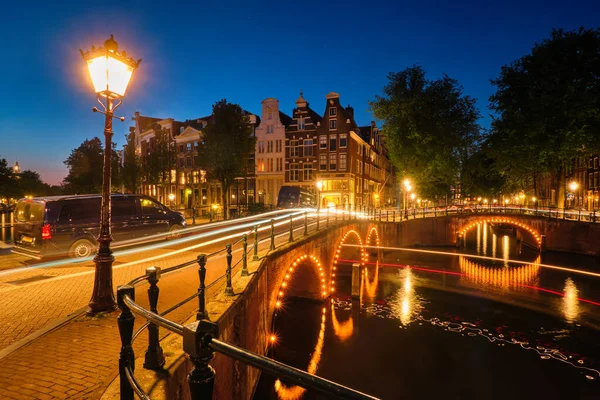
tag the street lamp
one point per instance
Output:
(573, 186)
(171, 198)
(110, 72)
(407, 187)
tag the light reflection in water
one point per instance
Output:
(285, 392)
(570, 304)
(478, 238)
(485, 237)
(371, 286)
(505, 278)
(405, 303)
(344, 329)
(494, 244)
(505, 249)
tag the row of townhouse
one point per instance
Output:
(350, 160)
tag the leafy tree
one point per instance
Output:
(161, 161)
(132, 168)
(548, 106)
(430, 127)
(480, 176)
(85, 168)
(226, 146)
(8, 183)
(30, 183)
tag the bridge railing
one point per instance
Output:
(201, 338)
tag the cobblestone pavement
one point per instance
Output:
(78, 359)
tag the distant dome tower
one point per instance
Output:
(16, 168)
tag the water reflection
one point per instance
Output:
(343, 330)
(370, 286)
(295, 392)
(570, 304)
(513, 277)
(405, 304)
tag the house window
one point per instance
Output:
(188, 147)
(332, 111)
(343, 140)
(181, 148)
(322, 142)
(181, 130)
(590, 181)
(332, 143)
(195, 161)
(173, 177)
(590, 163)
(204, 197)
(596, 163)
(323, 162)
(195, 175)
(278, 146)
(301, 125)
(270, 146)
(294, 172)
(260, 165)
(308, 172)
(261, 146)
(595, 179)
(308, 148)
(332, 124)
(332, 161)
(280, 164)
(188, 161)
(181, 162)
(182, 177)
(195, 145)
(269, 165)
(343, 161)
(269, 128)
(294, 151)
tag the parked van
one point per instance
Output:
(69, 225)
(295, 197)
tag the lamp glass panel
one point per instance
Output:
(110, 74)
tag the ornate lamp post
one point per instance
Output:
(407, 189)
(573, 186)
(110, 71)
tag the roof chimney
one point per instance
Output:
(350, 111)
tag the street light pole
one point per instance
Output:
(110, 72)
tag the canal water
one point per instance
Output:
(434, 324)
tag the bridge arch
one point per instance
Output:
(472, 223)
(289, 273)
(363, 257)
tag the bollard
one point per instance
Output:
(193, 216)
(305, 223)
(228, 288)
(125, 322)
(291, 229)
(255, 257)
(202, 314)
(196, 337)
(394, 215)
(154, 358)
(210, 216)
(245, 255)
(272, 247)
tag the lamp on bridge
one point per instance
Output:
(171, 198)
(408, 188)
(319, 189)
(110, 72)
(573, 186)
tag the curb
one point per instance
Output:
(41, 332)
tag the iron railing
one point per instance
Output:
(200, 338)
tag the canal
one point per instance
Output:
(433, 324)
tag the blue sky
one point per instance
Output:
(199, 52)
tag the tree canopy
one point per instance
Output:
(430, 128)
(25, 183)
(548, 106)
(227, 142)
(85, 168)
(132, 168)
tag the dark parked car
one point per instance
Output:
(60, 225)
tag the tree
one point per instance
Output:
(8, 183)
(227, 143)
(132, 167)
(85, 168)
(30, 184)
(548, 106)
(430, 128)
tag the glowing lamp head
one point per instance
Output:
(171, 197)
(320, 185)
(412, 196)
(534, 199)
(573, 186)
(110, 70)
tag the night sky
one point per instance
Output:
(195, 54)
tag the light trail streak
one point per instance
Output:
(447, 253)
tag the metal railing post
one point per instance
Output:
(202, 314)
(125, 322)
(245, 255)
(201, 379)
(291, 239)
(564, 213)
(394, 215)
(305, 223)
(318, 220)
(387, 215)
(579, 215)
(154, 357)
(594, 216)
(255, 257)
(272, 246)
(229, 257)
(193, 216)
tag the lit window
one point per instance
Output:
(188, 147)
(294, 172)
(308, 172)
(332, 161)
(343, 140)
(343, 161)
(260, 165)
(308, 148)
(323, 162)
(294, 151)
(322, 142)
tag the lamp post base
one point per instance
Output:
(103, 299)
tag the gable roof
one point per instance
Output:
(145, 123)
(285, 119)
